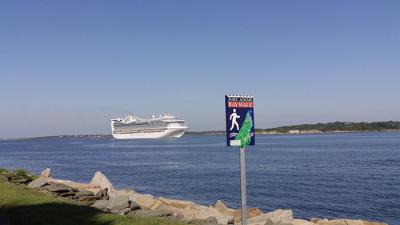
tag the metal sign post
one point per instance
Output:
(240, 132)
(243, 189)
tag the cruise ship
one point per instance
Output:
(132, 127)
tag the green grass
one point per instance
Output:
(20, 205)
(18, 175)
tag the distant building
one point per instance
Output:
(294, 131)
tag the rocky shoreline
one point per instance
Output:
(100, 193)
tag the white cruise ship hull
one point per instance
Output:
(133, 127)
(170, 133)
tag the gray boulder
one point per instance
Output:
(38, 183)
(103, 194)
(46, 172)
(209, 221)
(101, 181)
(133, 205)
(118, 202)
(88, 198)
(3, 178)
(151, 213)
(100, 204)
(279, 217)
(83, 193)
(58, 188)
(121, 212)
(21, 181)
(67, 194)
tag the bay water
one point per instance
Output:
(348, 175)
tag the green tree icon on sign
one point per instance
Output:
(244, 132)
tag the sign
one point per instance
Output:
(239, 120)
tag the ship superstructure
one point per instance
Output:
(132, 127)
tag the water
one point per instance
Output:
(332, 176)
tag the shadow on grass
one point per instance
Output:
(52, 214)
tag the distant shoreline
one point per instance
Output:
(300, 133)
(318, 128)
(200, 133)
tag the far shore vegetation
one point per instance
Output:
(317, 128)
(332, 127)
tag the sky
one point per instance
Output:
(68, 67)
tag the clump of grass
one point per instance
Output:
(22, 174)
(17, 176)
(3, 171)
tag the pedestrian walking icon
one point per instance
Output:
(233, 117)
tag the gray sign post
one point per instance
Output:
(243, 184)
(240, 132)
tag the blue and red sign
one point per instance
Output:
(239, 120)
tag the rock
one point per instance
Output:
(75, 189)
(3, 178)
(95, 190)
(83, 193)
(133, 205)
(206, 212)
(67, 194)
(88, 198)
(301, 222)
(181, 204)
(123, 212)
(348, 222)
(162, 207)
(118, 202)
(270, 222)
(76, 185)
(374, 223)
(209, 221)
(331, 222)
(101, 181)
(276, 217)
(251, 213)
(221, 207)
(315, 220)
(202, 212)
(159, 204)
(38, 183)
(280, 216)
(45, 173)
(145, 201)
(20, 181)
(150, 213)
(103, 194)
(163, 212)
(100, 204)
(58, 188)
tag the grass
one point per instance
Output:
(20, 205)
(17, 175)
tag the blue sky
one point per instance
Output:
(67, 67)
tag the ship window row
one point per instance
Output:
(139, 131)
